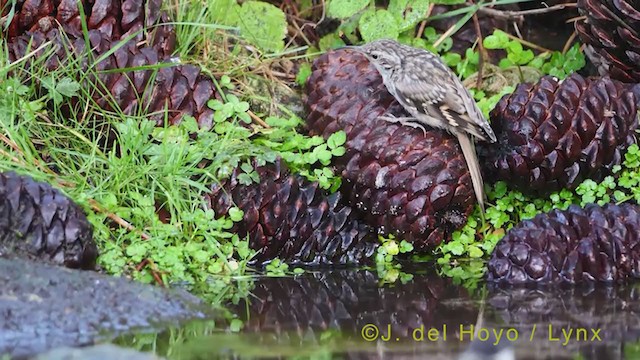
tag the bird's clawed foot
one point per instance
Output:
(405, 121)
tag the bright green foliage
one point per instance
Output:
(378, 24)
(260, 23)
(488, 103)
(556, 64)
(408, 13)
(342, 9)
(263, 24)
(60, 90)
(390, 248)
(303, 74)
(277, 268)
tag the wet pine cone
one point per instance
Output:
(171, 91)
(611, 31)
(38, 222)
(115, 19)
(594, 244)
(402, 182)
(552, 134)
(288, 217)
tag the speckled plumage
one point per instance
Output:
(433, 95)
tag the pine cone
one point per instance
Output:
(554, 134)
(612, 34)
(594, 244)
(114, 18)
(349, 300)
(182, 89)
(402, 181)
(288, 217)
(39, 222)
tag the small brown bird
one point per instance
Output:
(433, 95)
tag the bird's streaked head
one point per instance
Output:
(383, 54)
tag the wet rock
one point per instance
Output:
(43, 307)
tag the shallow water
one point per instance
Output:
(355, 314)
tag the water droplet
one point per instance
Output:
(394, 210)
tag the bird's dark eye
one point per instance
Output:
(374, 56)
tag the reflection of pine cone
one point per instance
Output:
(38, 221)
(403, 182)
(552, 135)
(290, 218)
(182, 89)
(612, 311)
(115, 19)
(348, 300)
(612, 34)
(572, 246)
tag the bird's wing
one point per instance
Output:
(432, 88)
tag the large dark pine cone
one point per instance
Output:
(115, 19)
(612, 34)
(348, 300)
(413, 185)
(182, 89)
(39, 222)
(292, 219)
(554, 134)
(594, 244)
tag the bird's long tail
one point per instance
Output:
(469, 152)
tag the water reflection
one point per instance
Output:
(329, 315)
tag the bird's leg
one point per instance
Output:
(408, 121)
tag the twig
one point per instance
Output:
(117, 219)
(567, 45)
(483, 52)
(282, 75)
(33, 52)
(423, 23)
(516, 28)
(528, 43)
(257, 119)
(154, 273)
(444, 36)
(576, 19)
(13, 158)
(519, 15)
(16, 148)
